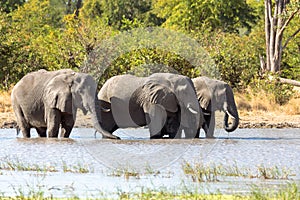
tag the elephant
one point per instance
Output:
(215, 95)
(46, 100)
(164, 102)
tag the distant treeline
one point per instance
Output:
(55, 34)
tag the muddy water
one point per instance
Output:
(154, 164)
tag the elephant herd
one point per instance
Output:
(169, 104)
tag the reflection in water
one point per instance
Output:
(135, 152)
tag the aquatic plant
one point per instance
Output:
(126, 172)
(201, 173)
(208, 173)
(78, 168)
(18, 165)
(273, 172)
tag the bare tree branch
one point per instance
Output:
(288, 21)
(290, 38)
(289, 81)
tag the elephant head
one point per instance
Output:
(191, 116)
(216, 95)
(154, 96)
(69, 91)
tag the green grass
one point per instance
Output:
(125, 172)
(288, 192)
(128, 172)
(273, 172)
(201, 173)
(18, 165)
(78, 168)
(210, 173)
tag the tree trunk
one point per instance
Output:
(289, 81)
(274, 28)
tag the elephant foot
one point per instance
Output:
(156, 136)
(210, 137)
(113, 137)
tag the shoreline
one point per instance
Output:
(247, 120)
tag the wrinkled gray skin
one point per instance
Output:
(45, 100)
(163, 101)
(215, 95)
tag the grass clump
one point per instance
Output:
(273, 172)
(78, 168)
(210, 173)
(201, 173)
(288, 192)
(125, 172)
(17, 165)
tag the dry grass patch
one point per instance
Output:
(262, 102)
(5, 101)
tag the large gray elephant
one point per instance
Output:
(46, 100)
(215, 95)
(165, 102)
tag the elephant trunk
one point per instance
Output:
(230, 109)
(96, 117)
(235, 121)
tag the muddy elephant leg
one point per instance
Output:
(53, 122)
(156, 119)
(42, 131)
(67, 124)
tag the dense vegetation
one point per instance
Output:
(55, 34)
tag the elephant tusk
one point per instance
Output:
(228, 113)
(106, 109)
(191, 109)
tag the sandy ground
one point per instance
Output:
(247, 120)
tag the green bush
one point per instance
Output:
(277, 91)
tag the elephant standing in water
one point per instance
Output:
(44, 100)
(163, 101)
(215, 95)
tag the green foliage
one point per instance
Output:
(236, 57)
(10, 5)
(277, 92)
(194, 15)
(54, 34)
(118, 13)
(291, 54)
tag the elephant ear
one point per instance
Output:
(204, 93)
(58, 93)
(162, 95)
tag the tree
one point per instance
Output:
(10, 5)
(278, 15)
(195, 15)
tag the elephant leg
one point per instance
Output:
(210, 122)
(67, 124)
(108, 123)
(171, 126)
(156, 119)
(22, 123)
(25, 131)
(198, 133)
(42, 131)
(53, 122)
